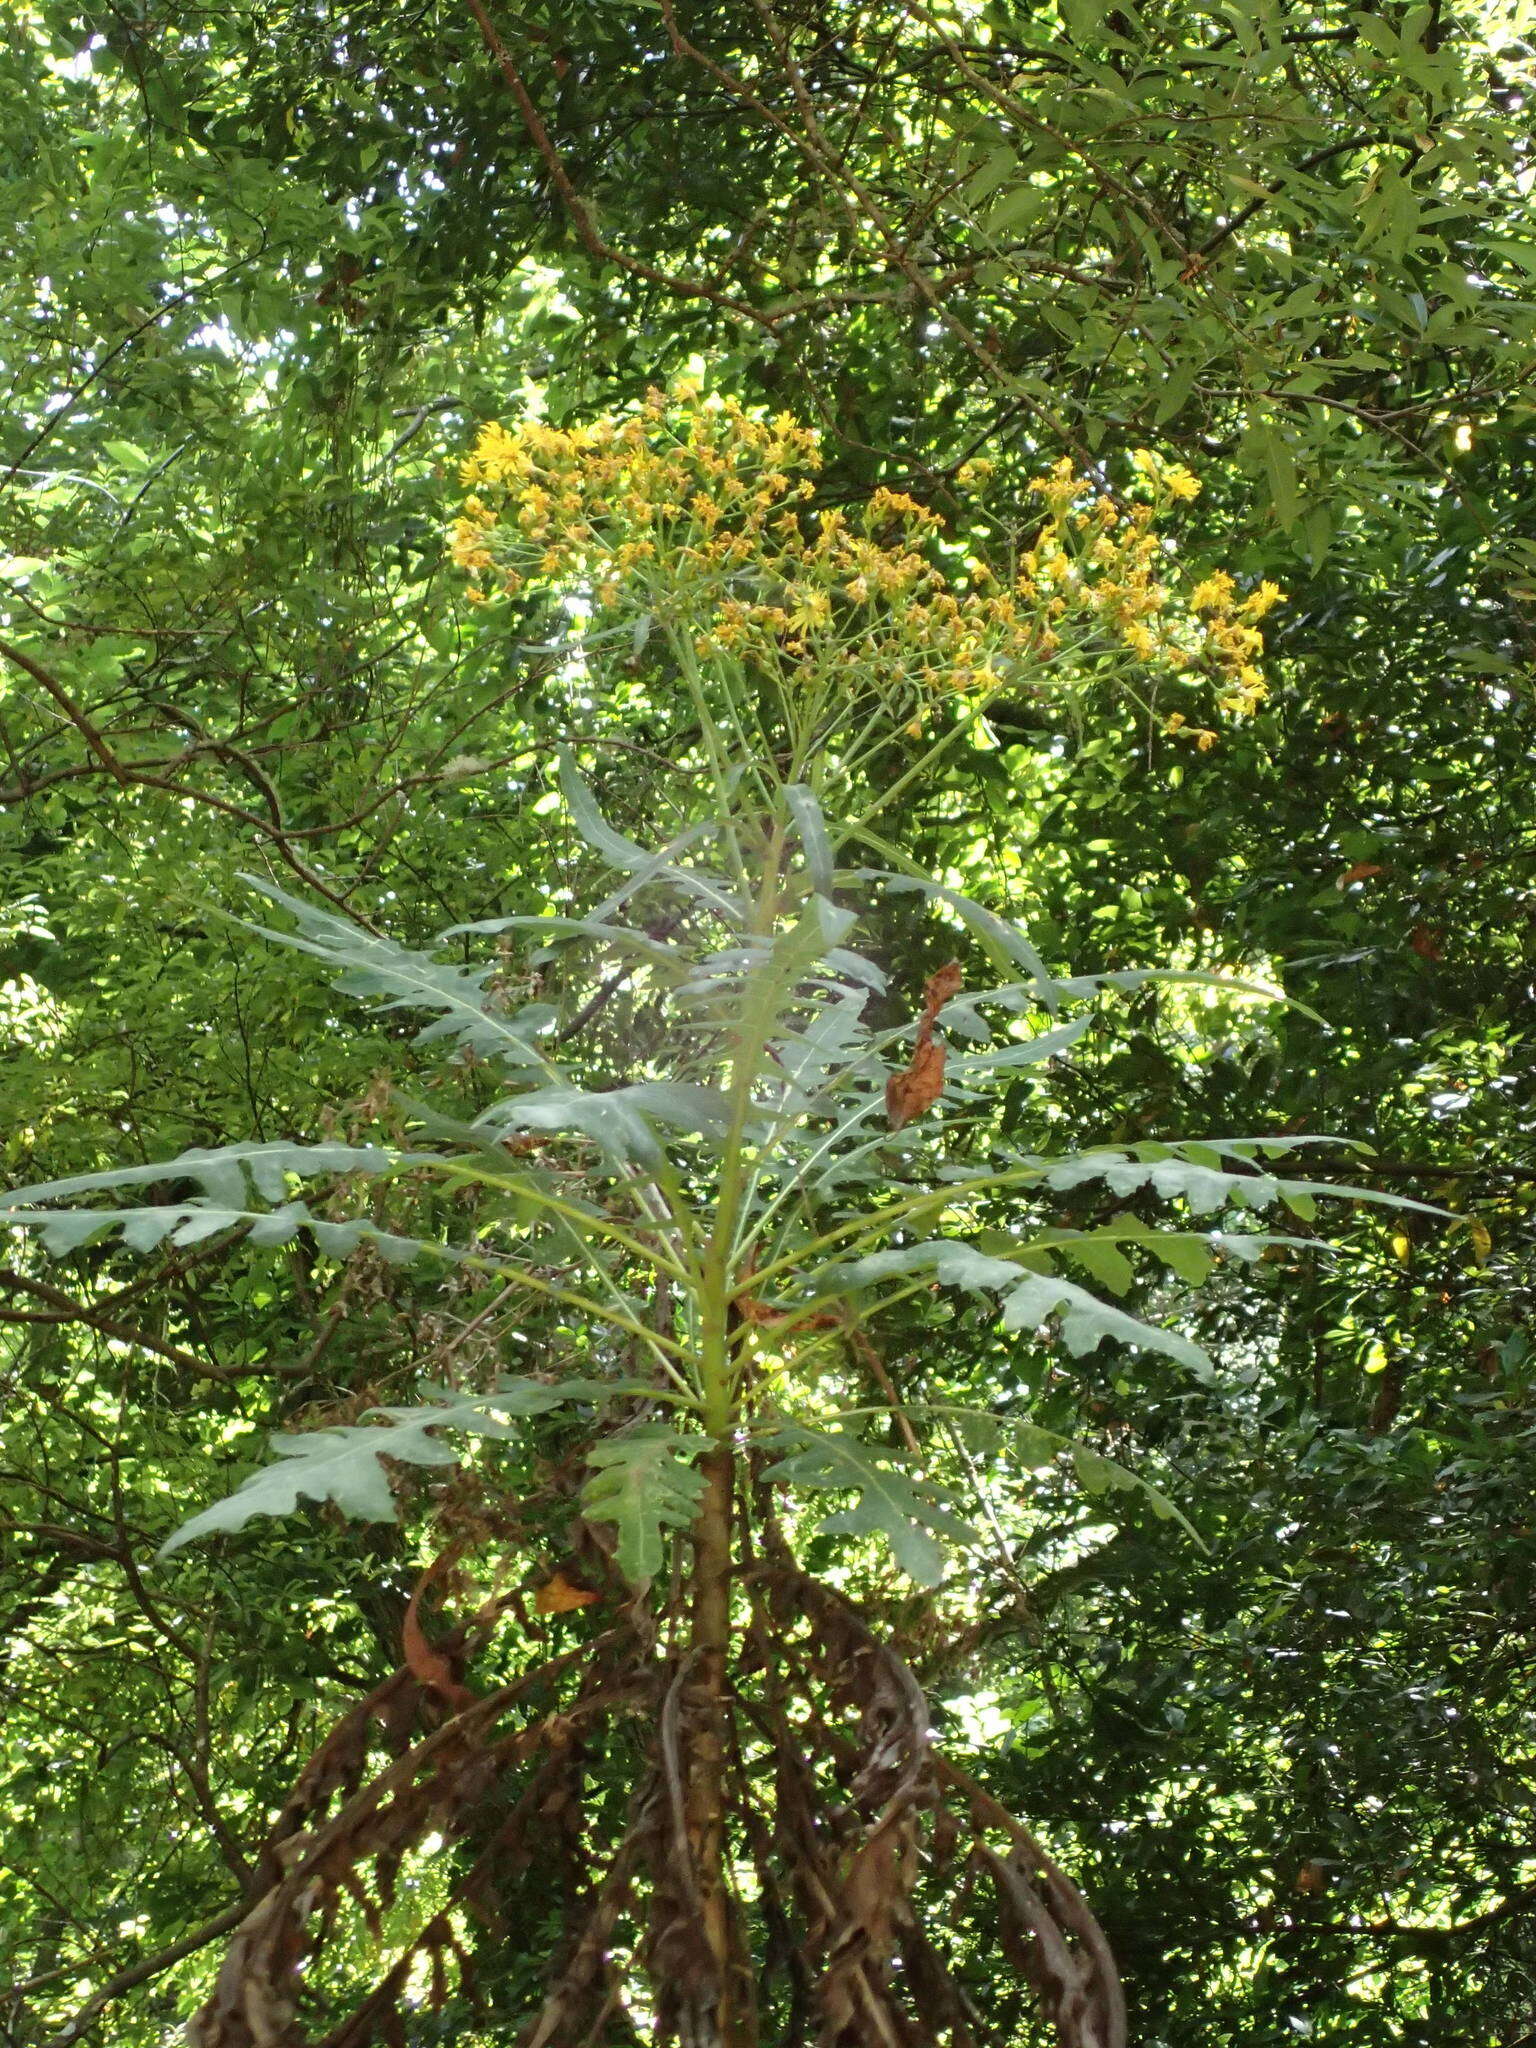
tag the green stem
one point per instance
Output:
(759, 1007)
(580, 1220)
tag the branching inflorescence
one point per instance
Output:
(705, 521)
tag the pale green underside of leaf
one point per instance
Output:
(395, 977)
(1026, 1052)
(226, 1174)
(632, 859)
(811, 825)
(905, 1510)
(618, 1119)
(1126, 979)
(1030, 1298)
(1004, 942)
(143, 1229)
(341, 1465)
(1192, 1172)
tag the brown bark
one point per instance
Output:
(731, 2023)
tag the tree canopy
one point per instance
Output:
(727, 730)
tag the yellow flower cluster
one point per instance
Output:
(564, 503)
(1096, 559)
(701, 517)
(1168, 479)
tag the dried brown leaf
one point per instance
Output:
(919, 1086)
(422, 1660)
(558, 1596)
(947, 982)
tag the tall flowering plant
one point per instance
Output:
(696, 1234)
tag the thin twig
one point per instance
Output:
(140, 1972)
(581, 219)
(72, 711)
(61, 1308)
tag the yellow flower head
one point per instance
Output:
(1171, 477)
(1212, 593)
(1263, 600)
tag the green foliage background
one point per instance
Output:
(269, 268)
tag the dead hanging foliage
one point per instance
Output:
(921, 1082)
(875, 1887)
(876, 1874)
(499, 1800)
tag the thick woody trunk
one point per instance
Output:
(730, 2025)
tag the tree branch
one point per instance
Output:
(61, 1308)
(575, 206)
(141, 1972)
(72, 711)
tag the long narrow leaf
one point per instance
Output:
(396, 978)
